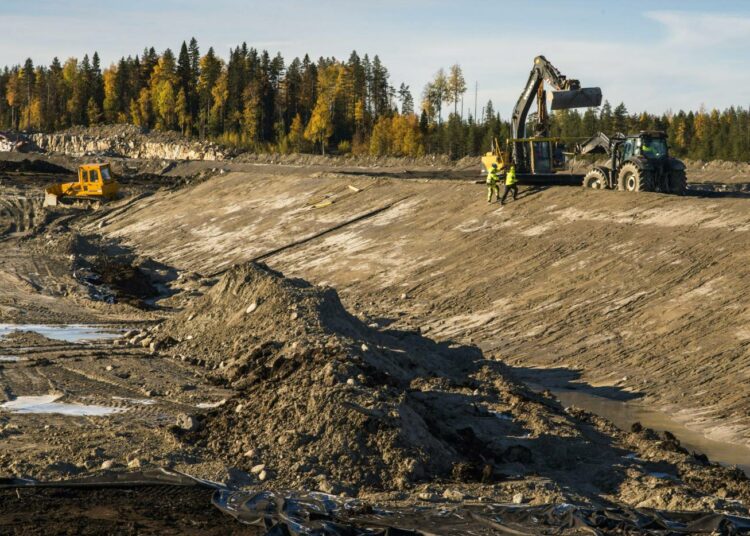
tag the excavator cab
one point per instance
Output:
(545, 155)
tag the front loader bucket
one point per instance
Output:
(587, 97)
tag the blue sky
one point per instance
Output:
(654, 56)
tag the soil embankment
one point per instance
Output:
(637, 295)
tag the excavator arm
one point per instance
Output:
(567, 94)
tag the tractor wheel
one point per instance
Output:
(633, 179)
(595, 179)
(677, 182)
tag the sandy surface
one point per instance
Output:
(640, 295)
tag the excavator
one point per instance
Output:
(95, 182)
(538, 154)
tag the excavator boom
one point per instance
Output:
(567, 94)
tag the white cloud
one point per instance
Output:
(696, 30)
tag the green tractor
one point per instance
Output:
(637, 163)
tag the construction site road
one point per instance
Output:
(629, 295)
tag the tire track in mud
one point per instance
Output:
(19, 213)
(81, 385)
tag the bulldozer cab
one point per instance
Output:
(94, 173)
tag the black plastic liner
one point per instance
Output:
(297, 513)
(315, 513)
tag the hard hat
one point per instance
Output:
(494, 164)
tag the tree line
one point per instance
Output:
(260, 102)
(704, 135)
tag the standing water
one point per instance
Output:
(67, 333)
(48, 404)
(623, 414)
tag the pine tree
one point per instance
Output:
(407, 101)
(620, 119)
(605, 118)
(97, 82)
(210, 70)
(185, 71)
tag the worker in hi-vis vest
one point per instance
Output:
(510, 184)
(492, 179)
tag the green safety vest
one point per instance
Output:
(510, 177)
(492, 176)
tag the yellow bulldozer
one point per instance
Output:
(95, 182)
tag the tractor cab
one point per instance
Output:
(650, 145)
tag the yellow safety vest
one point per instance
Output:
(510, 177)
(492, 176)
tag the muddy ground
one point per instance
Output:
(408, 389)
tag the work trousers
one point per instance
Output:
(508, 188)
(492, 187)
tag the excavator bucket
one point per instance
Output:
(586, 97)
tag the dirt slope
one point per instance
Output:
(643, 294)
(359, 409)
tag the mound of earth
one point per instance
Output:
(354, 405)
(327, 402)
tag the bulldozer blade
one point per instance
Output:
(50, 200)
(576, 98)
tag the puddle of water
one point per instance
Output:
(47, 404)
(623, 414)
(67, 333)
